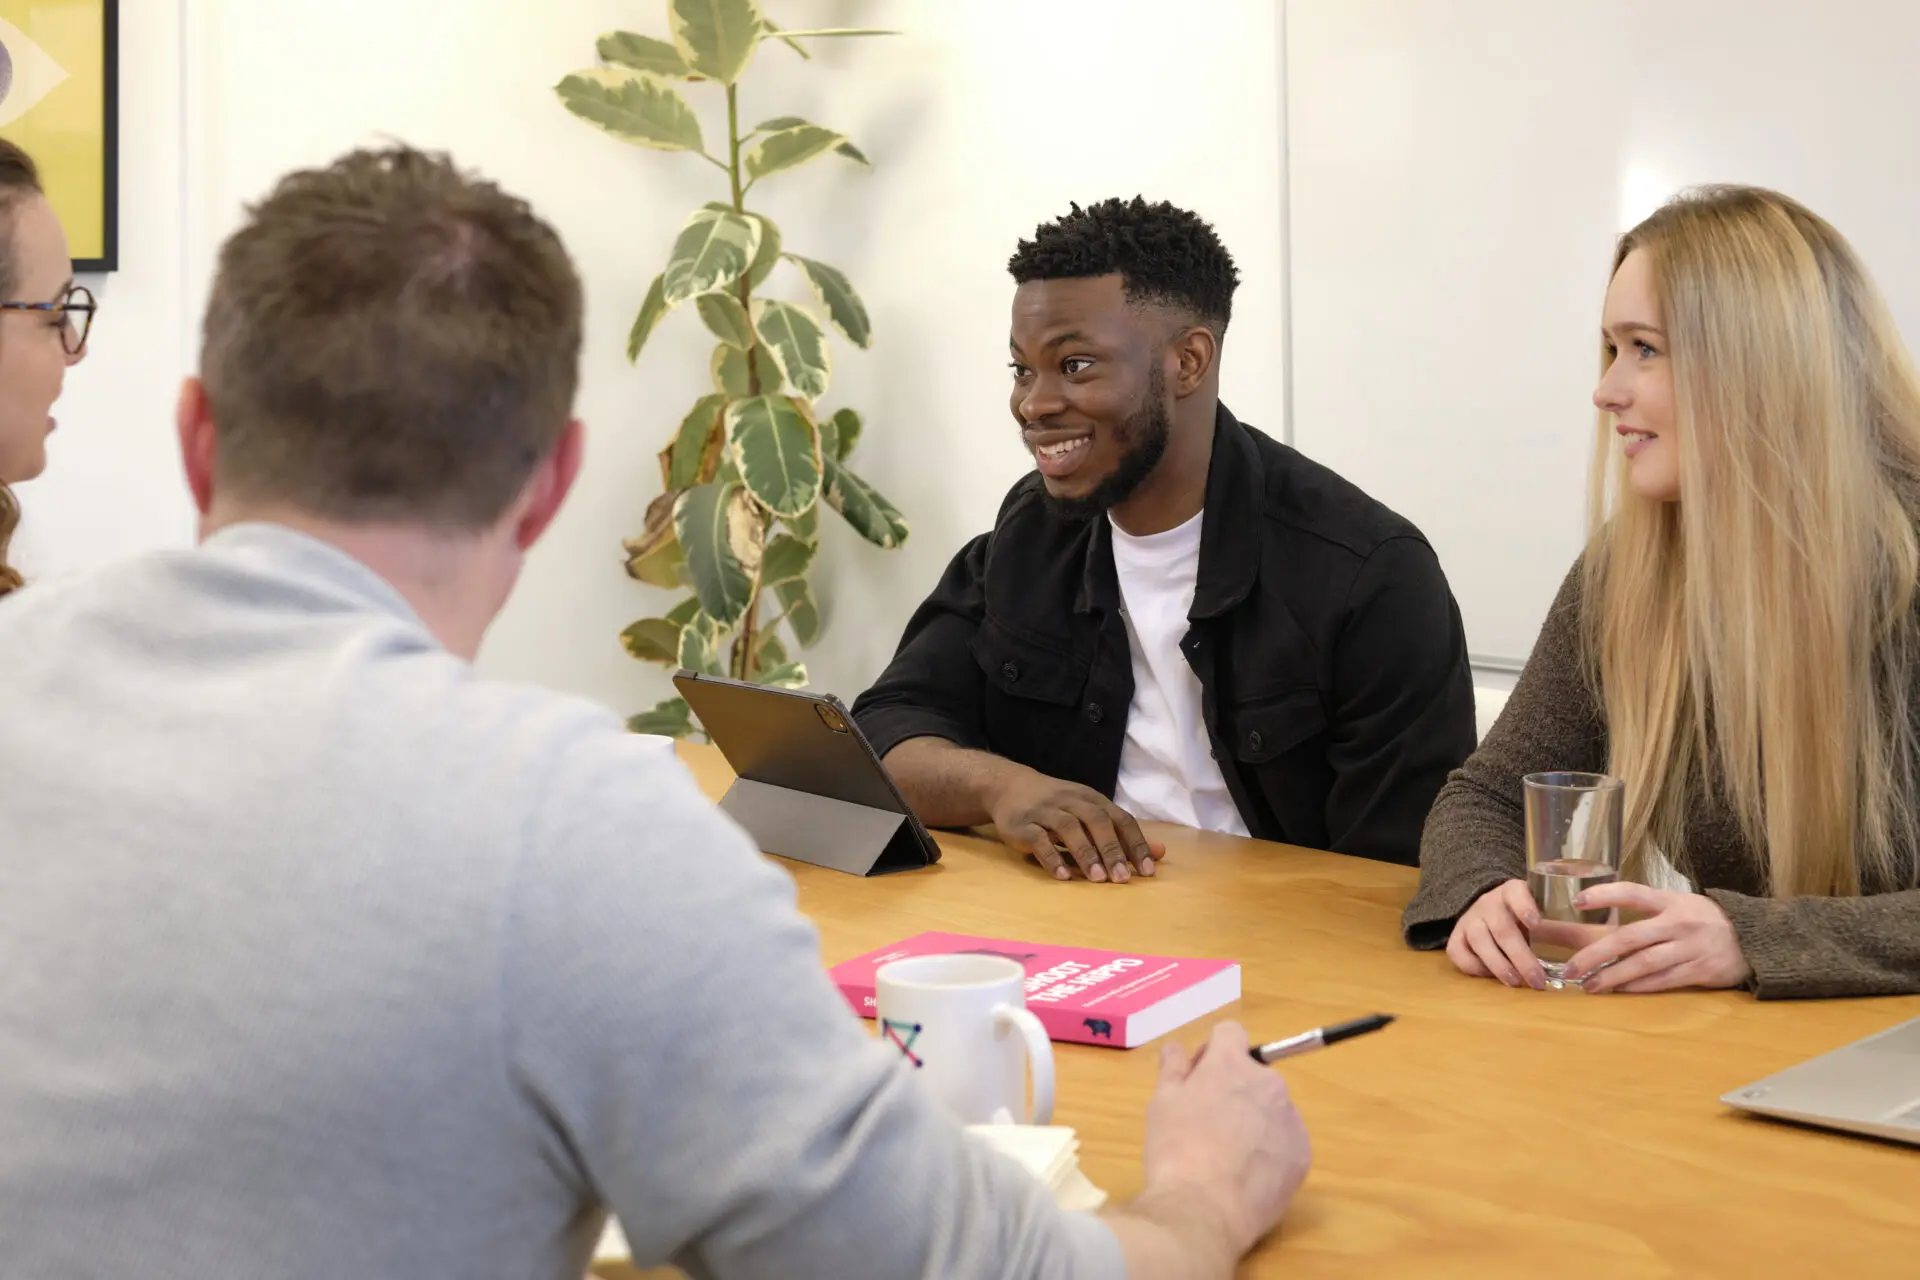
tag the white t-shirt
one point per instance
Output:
(1167, 769)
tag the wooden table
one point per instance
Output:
(1488, 1132)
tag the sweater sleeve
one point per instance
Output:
(680, 1053)
(1474, 838)
(1867, 946)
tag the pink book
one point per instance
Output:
(1079, 994)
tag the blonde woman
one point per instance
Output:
(1738, 642)
(44, 320)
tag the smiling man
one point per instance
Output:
(1175, 617)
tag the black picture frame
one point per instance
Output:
(109, 259)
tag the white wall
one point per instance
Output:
(1460, 171)
(112, 485)
(983, 119)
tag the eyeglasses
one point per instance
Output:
(76, 308)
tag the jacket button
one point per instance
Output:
(1094, 713)
(1253, 741)
(1010, 671)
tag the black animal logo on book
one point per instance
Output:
(1098, 1027)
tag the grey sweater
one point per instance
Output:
(1869, 945)
(320, 956)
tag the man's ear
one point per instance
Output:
(193, 419)
(1196, 352)
(549, 485)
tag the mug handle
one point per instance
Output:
(1039, 1058)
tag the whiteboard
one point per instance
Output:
(1458, 171)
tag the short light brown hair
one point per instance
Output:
(389, 338)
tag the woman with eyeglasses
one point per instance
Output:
(44, 320)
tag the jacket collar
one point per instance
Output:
(1230, 530)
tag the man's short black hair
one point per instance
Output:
(1161, 254)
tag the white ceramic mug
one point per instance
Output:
(961, 1022)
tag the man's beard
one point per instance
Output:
(1144, 438)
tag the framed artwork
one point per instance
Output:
(59, 100)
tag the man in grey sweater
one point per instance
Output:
(320, 956)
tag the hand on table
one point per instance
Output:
(1489, 940)
(1042, 815)
(1685, 941)
(1222, 1131)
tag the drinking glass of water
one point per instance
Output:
(1573, 843)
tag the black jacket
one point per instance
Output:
(1332, 662)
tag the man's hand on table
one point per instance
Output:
(1226, 1151)
(1065, 825)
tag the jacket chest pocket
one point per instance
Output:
(1032, 709)
(1263, 731)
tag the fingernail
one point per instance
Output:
(1097, 872)
(1580, 901)
(1120, 875)
(1146, 866)
(1061, 873)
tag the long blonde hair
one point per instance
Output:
(1757, 638)
(10, 578)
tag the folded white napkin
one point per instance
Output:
(613, 1244)
(1050, 1152)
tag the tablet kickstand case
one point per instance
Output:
(807, 786)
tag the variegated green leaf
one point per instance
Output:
(788, 675)
(642, 53)
(659, 566)
(798, 344)
(670, 719)
(726, 319)
(729, 369)
(769, 650)
(700, 648)
(684, 612)
(787, 148)
(768, 255)
(806, 525)
(846, 432)
(632, 105)
(712, 250)
(690, 442)
(653, 640)
(772, 444)
(654, 557)
(802, 613)
(853, 153)
(717, 37)
(838, 299)
(787, 558)
(872, 516)
(778, 123)
(651, 310)
(722, 555)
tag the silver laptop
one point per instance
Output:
(1870, 1086)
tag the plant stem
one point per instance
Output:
(739, 206)
(745, 642)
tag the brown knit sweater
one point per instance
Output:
(1474, 840)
